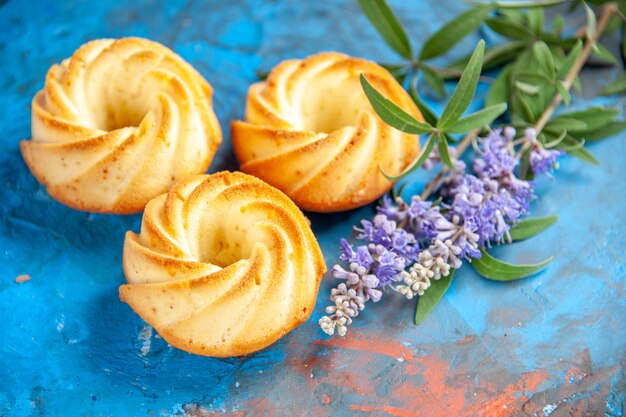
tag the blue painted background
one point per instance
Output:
(554, 344)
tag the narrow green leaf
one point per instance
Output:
(388, 25)
(499, 90)
(427, 302)
(491, 268)
(444, 151)
(569, 123)
(569, 61)
(391, 113)
(427, 112)
(618, 86)
(495, 55)
(526, 111)
(453, 31)
(604, 132)
(480, 118)
(434, 80)
(558, 23)
(532, 226)
(564, 92)
(418, 162)
(531, 77)
(535, 20)
(584, 155)
(499, 54)
(591, 21)
(603, 53)
(589, 119)
(526, 88)
(556, 141)
(571, 144)
(465, 89)
(577, 86)
(509, 29)
(543, 55)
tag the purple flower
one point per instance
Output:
(396, 211)
(388, 266)
(361, 255)
(360, 280)
(384, 232)
(543, 160)
(497, 157)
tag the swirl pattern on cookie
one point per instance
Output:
(117, 123)
(310, 131)
(224, 265)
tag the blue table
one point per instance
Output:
(553, 344)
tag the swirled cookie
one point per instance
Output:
(310, 131)
(224, 265)
(117, 123)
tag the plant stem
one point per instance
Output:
(607, 12)
(432, 186)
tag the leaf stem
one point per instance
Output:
(607, 12)
(461, 147)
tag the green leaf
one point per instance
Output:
(526, 110)
(526, 88)
(427, 112)
(480, 118)
(465, 89)
(591, 21)
(535, 20)
(603, 53)
(495, 55)
(584, 155)
(491, 268)
(558, 23)
(543, 55)
(509, 29)
(564, 92)
(618, 86)
(606, 131)
(529, 227)
(427, 302)
(499, 90)
(571, 144)
(453, 31)
(499, 54)
(569, 61)
(434, 80)
(569, 123)
(418, 162)
(589, 119)
(391, 113)
(444, 151)
(388, 25)
(556, 141)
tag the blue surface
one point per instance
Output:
(554, 344)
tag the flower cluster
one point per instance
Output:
(542, 160)
(409, 244)
(488, 203)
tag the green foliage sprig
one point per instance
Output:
(538, 67)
